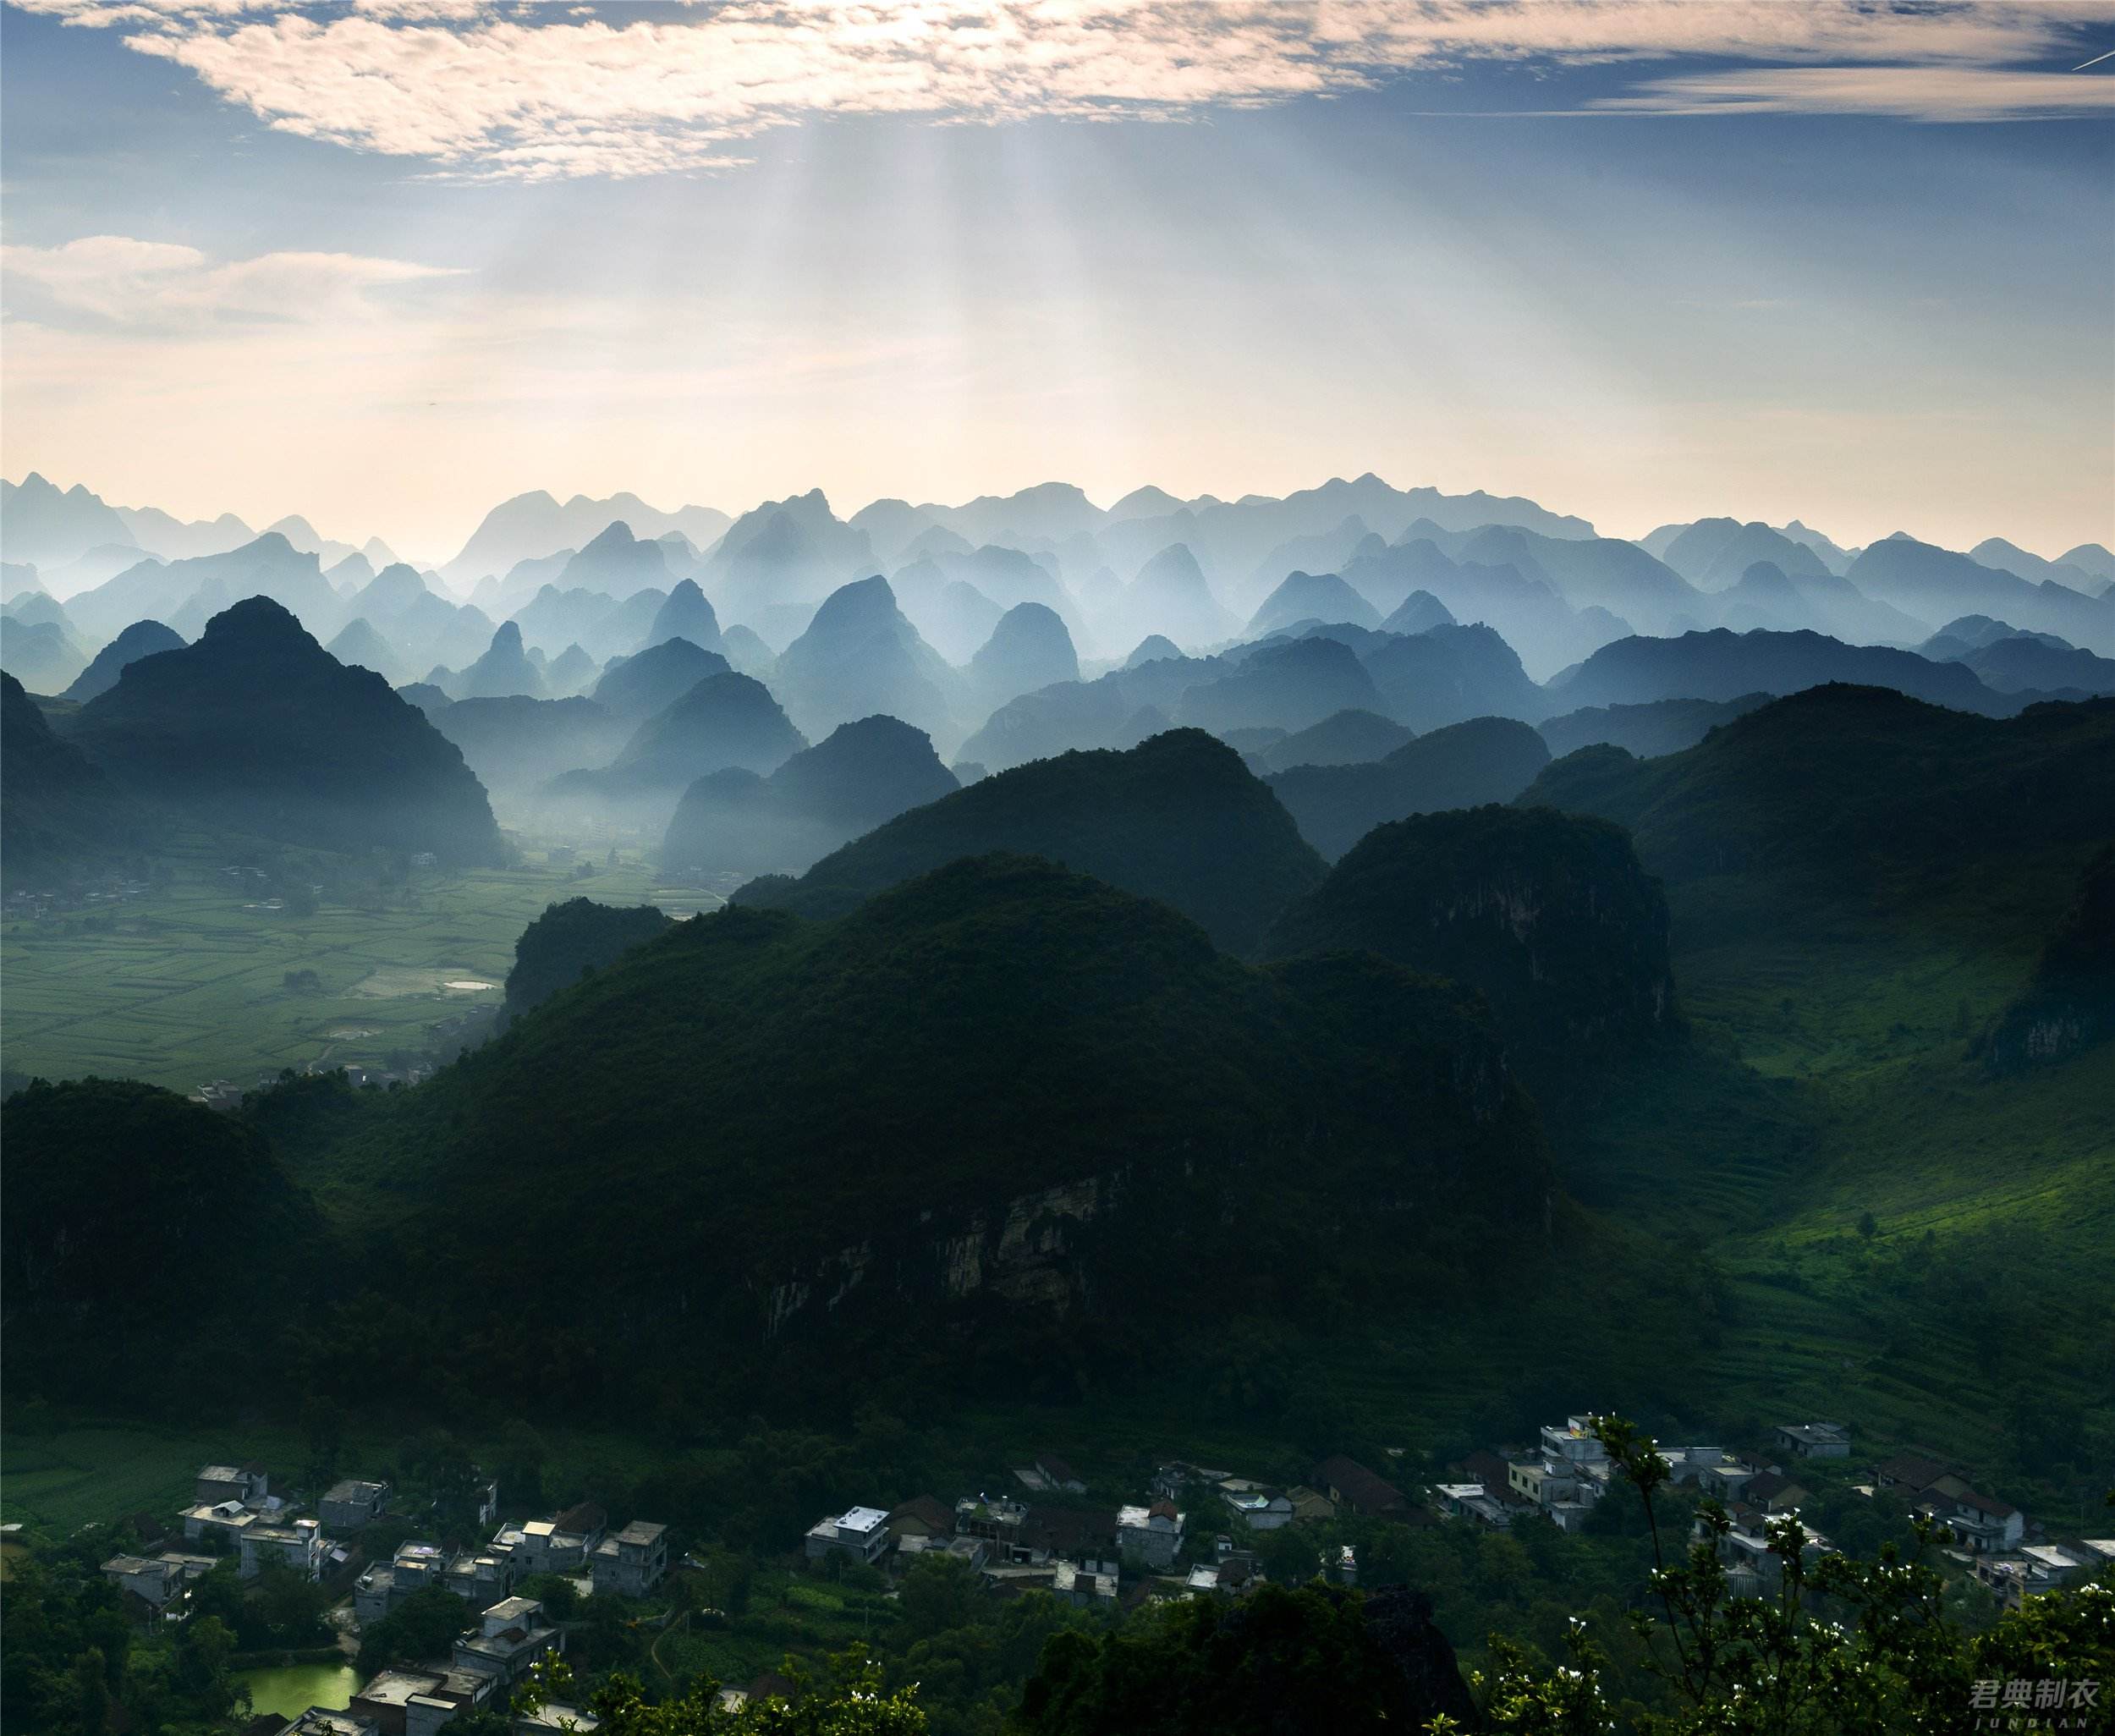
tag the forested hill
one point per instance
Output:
(56, 808)
(1178, 818)
(1548, 915)
(1840, 783)
(1002, 1086)
(256, 728)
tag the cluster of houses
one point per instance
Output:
(491, 1659)
(1027, 1536)
(41, 904)
(1104, 1557)
(1570, 1471)
(575, 1543)
(235, 1513)
(227, 1095)
(1992, 1534)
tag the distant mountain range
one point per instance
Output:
(535, 524)
(1126, 1034)
(75, 540)
(1350, 553)
(1376, 652)
(1461, 765)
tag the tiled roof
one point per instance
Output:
(1913, 1470)
(1359, 1485)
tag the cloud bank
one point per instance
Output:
(482, 91)
(161, 285)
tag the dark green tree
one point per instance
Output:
(522, 1457)
(424, 1625)
(1286, 1662)
(323, 1429)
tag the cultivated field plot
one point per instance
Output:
(82, 1473)
(197, 980)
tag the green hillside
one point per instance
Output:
(1860, 887)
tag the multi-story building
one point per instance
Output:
(224, 1522)
(999, 1522)
(479, 1577)
(631, 1562)
(246, 1484)
(861, 1532)
(415, 1566)
(351, 1504)
(510, 1636)
(298, 1546)
(1752, 1568)
(1982, 1523)
(1815, 1440)
(153, 1587)
(559, 1544)
(1151, 1536)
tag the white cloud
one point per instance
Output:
(536, 93)
(1921, 93)
(161, 284)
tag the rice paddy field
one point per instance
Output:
(199, 979)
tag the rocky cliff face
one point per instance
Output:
(1025, 1252)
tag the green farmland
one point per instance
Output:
(198, 980)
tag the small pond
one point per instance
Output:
(291, 1689)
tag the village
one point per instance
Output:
(1035, 1529)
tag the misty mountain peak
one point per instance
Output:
(1152, 649)
(614, 538)
(862, 602)
(255, 621)
(295, 529)
(1146, 503)
(1174, 564)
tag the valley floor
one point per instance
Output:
(190, 980)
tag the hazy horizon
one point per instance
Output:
(1639, 262)
(438, 553)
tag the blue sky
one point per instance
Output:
(719, 253)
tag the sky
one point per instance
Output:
(386, 262)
